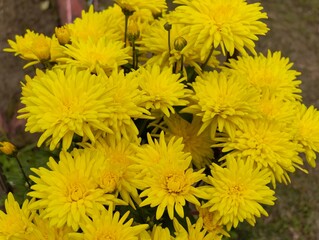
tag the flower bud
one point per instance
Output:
(168, 26)
(62, 34)
(180, 43)
(41, 47)
(7, 148)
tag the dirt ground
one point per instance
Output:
(294, 30)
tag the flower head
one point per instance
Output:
(306, 126)
(224, 103)
(198, 145)
(237, 191)
(109, 225)
(61, 103)
(271, 75)
(268, 145)
(67, 192)
(230, 24)
(16, 223)
(32, 46)
(163, 89)
(105, 54)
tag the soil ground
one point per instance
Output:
(294, 30)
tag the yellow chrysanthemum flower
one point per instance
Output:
(128, 103)
(237, 191)
(268, 145)
(155, 40)
(109, 225)
(194, 231)
(46, 231)
(306, 126)
(7, 147)
(163, 89)
(114, 175)
(223, 102)
(198, 145)
(33, 47)
(16, 223)
(94, 25)
(159, 233)
(61, 103)
(67, 193)
(271, 74)
(230, 24)
(212, 224)
(167, 181)
(155, 6)
(104, 53)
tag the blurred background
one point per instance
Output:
(294, 30)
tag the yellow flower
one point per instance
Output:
(163, 89)
(109, 225)
(159, 233)
(7, 147)
(211, 223)
(194, 231)
(271, 74)
(223, 102)
(168, 182)
(61, 103)
(268, 145)
(155, 6)
(198, 145)
(62, 34)
(16, 223)
(155, 40)
(306, 126)
(67, 192)
(230, 24)
(237, 191)
(114, 174)
(32, 47)
(93, 25)
(104, 53)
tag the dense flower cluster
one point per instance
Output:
(157, 116)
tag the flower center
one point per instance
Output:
(174, 183)
(76, 192)
(109, 181)
(235, 191)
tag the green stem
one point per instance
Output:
(23, 172)
(125, 28)
(182, 64)
(207, 59)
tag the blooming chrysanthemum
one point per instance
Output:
(306, 126)
(16, 223)
(104, 53)
(128, 103)
(155, 40)
(230, 24)
(46, 231)
(224, 103)
(67, 193)
(109, 225)
(198, 145)
(237, 191)
(114, 175)
(268, 145)
(93, 25)
(212, 224)
(159, 233)
(156, 6)
(163, 89)
(167, 182)
(33, 47)
(193, 232)
(61, 103)
(271, 74)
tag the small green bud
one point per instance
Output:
(180, 43)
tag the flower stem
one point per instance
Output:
(23, 172)
(203, 66)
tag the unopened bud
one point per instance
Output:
(62, 34)
(133, 32)
(168, 26)
(180, 43)
(7, 148)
